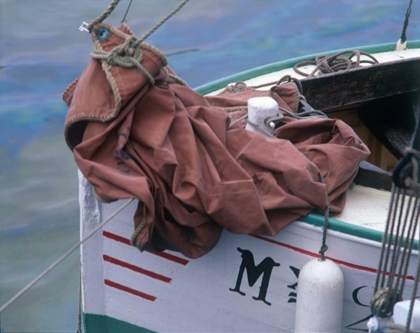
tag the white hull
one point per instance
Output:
(174, 294)
(143, 292)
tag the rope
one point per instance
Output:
(79, 314)
(129, 53)
(233, 123)
(114, 4)
(258, 128)
(137, 231)
(334, 63)
(286, 78)
(324, 246)
(387, 232)
(59, 260)
(415, 158)
(167, 17)
(308, 110)
(299, 115)
(407, 18)
(126, 55)
(177, 79)
(397, 245)
(413, 297)
(104, 15)
(126, 12)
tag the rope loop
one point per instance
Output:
(322, 251)
(289, 78)
(126, 55)
(342, 61)
(129, 53)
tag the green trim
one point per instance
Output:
(344, 227)
(347, 228)
(103, 324)
(277, 66)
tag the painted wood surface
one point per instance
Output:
(247, 283)
(168, 292)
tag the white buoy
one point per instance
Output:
(320, 295)
(401, 310)
(259, 109)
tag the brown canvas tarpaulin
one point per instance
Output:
(193, 175)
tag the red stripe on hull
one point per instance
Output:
(136, 269)
(164, 255)
(316, 255)
(129, 290)
(171, 257)
(117, 238)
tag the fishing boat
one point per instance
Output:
(168, 291)
(173, 287)
(124, 290)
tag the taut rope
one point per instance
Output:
(126, 12)
(324, 246)
(104, 14)
(64, 256)
(407, 18)
(114, 4)
(127, 55)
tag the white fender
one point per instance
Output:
(319, 304)
(401, 310)
(259, 109)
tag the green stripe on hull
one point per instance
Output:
(344, 227)
(347, 228)
(103, 324)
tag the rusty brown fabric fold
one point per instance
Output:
(193, 175)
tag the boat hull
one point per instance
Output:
(247, 283)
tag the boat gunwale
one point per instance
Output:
(289, 63)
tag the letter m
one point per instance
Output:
(264, 268)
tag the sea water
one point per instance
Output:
(42, 51)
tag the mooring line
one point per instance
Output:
(64, 256)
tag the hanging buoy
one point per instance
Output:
(319, 304)
(259, 110)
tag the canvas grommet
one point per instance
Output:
(102, 34)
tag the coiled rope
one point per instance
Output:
(342, 61)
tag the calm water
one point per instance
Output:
(42, 51)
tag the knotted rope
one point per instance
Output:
(126, 55)
(129, 53)
(337, 62)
